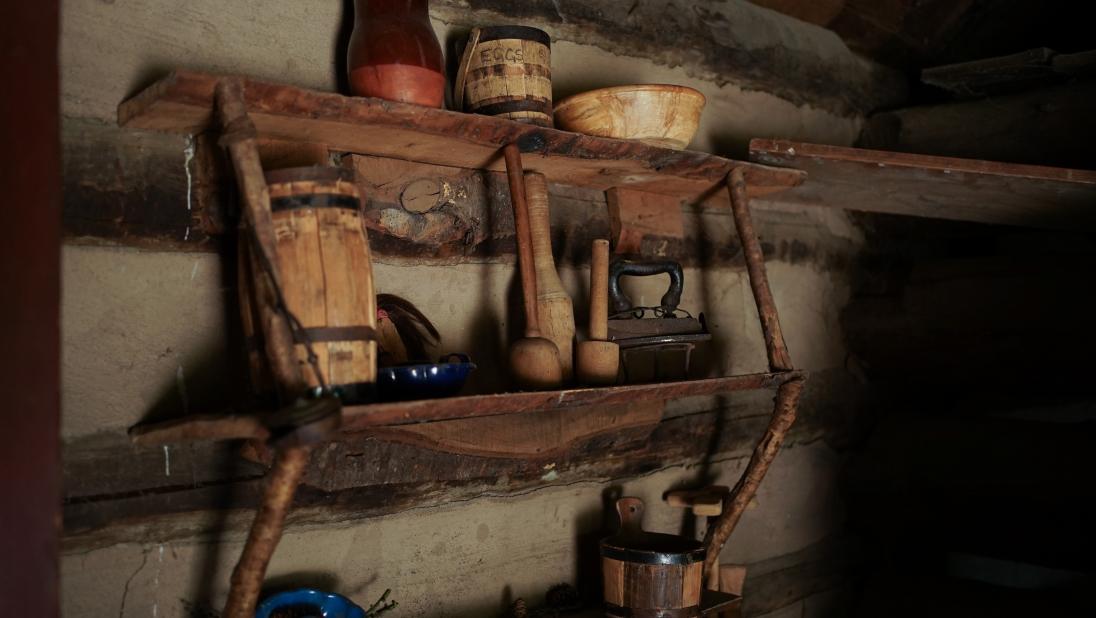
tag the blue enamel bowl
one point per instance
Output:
(424, 381)
(309, 602)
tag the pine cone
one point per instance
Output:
(563, 596)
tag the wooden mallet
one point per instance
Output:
(534, 360)
(597, 360)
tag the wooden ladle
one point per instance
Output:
(534, 360)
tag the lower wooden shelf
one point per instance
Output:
(430, 410)
(359, 418)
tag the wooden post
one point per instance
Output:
(239, 136)
(787, 402)
(787, 395)
(290, 462)
(266, 530)
(779, 360)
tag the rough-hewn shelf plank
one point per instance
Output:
(358, 418)
(402, 413)
(935, 187)
(182, 102)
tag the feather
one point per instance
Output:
(416, 331)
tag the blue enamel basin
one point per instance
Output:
(424, 381)
(309, 602)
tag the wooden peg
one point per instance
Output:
(706, 502)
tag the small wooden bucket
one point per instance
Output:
(650, 575)
(507, 71)
(323, 258)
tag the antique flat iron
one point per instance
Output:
(653, 332)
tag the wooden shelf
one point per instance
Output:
(359, 418)
(935, 187)
(429, 410)
(183, 102)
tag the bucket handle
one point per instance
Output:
(670, 300)
(462, 71)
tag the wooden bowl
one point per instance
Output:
(657, 114)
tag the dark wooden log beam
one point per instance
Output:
(900, 33)
(150, 190)
(130, 188)
(1052, 126)
(118, 492)
(726, 42)
(1039, 67)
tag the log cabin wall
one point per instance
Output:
(150, 325)
(977, 343)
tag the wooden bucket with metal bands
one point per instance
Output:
(322, 255)
(647, 574)
(507, 71)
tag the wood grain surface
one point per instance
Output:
(540, 435)
(327, 278)
(555, 311)
(661, 115)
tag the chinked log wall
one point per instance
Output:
(116, 492)
(724, 42)
(160, 191)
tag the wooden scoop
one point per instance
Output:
(597, 360)
(534, 360)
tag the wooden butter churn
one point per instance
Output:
(322, 253)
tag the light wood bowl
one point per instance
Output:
(657, 114)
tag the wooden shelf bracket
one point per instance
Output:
(787, 395)
(290, 461)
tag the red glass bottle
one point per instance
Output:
(394, 53)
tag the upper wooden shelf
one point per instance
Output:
(936, 187)
(182, 102)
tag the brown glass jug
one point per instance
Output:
(394, 53)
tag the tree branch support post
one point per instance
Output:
(281, 483)
(787, 394)
(290, 462)
(239, 136)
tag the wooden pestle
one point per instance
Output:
(534, 360)
(597, 360)
(555, 311)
